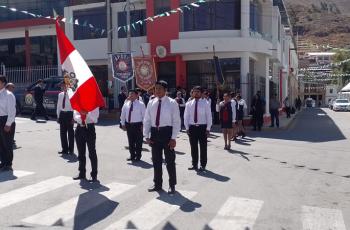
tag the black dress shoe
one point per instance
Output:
(1, 166)
(137, 159)
(193, 168)
(155, 189)
(202, 169)
(71, 153)
(171, 190)
(62, 152)
(130, 159)
(79, 177)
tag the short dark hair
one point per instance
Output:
(40, 81)
(198, 88)
(3, 79)
(132, 91)
(162, 83)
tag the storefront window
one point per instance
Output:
(44, 8)
(43, 50)
(12, 52)
(95, 16)
(135, 15)
(202, 73)
(212, 15)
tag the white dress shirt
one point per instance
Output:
(242, 102)
(204, 116)
(137, 113)
(68, 106)
(7, 106)
(169, 116)
(91, 117)
(233, 107)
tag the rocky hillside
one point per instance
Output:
(321, 22)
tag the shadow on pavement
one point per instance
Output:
(141, 164)
(211, 175)
(70, 158)
(311, 125)
(92, 206)
(178, 199)
(242, 154)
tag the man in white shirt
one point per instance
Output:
(198, 121)
(65, 119)
(131, 119)
(7, 118)
(161, 126)
(85, 135)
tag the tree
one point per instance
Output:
(342, 68)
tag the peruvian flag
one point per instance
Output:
(86, 94)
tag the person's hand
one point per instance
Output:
(172, 144)
(148, 141)
(83, 112)
(188, 132)
(73, 121)
(123, 128)
(7, 128)
(208, 133)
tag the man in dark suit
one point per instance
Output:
(39, 91)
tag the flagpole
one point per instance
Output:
(217, 83)
(128, 34)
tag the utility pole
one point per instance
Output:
(128, 33)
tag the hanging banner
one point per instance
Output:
(145, 72)
(122, 66)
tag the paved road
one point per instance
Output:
(284, 179)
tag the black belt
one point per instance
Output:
(66, 112)
(86, 125)
(161, 128)
(199, 125)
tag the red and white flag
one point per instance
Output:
(86, 95)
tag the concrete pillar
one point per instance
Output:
(267, 87)
(244, 75)
(245, 18)
(27, 48)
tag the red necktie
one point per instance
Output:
(196, 112)
(158, 113)
(64, 100)
(130, 110)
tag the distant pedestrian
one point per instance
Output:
(11, 87)
(162, 124)
(286, 104)
(241, 107)
(7, 119)
(131, 119)
(274, 106)
(181, 102)
(298, 103)
(227, 110)
(65, 119)
(39, 91)
(257, 109)
(122, 96)
(198, 121)
(85, 135)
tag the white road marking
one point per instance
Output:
(68, 209)
(153, 212)
(21, 194)
(14, 174)
(237, 214)
(315, 218)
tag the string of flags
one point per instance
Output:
(126, 27)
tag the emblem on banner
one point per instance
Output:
(70, 80)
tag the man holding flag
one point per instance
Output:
(85, 100)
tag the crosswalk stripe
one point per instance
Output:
(68, 209)
(21, 194)
(14, 174)
(315, 218)
(153, 213)
(236, 214)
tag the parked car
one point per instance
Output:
(52, 86)
(310, 103)
(341, 105)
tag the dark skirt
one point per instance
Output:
(226, 125)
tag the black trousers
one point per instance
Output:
(39, 110)
(198, 134)
(86, 136)
(6, 143)
(288, 112)
(135, 136)
(258, 119)
(275, 116)
(160, 138)
(66, 127)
